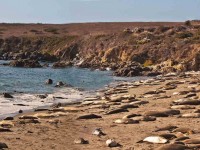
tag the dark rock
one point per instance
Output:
(20, 111)
(130, 69)
(49, 81)
(60, 83)
(45, 65)
(42, 96)
(25, 63)
(151, 74)
(7, 95)
(62, 64)
(9, 118)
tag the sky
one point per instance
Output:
(72, 11)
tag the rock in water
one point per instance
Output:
(59, 84)
(20, 111)
(27, 63)
(49, 81)
(7, 95)
(111, 143)
(155, 139)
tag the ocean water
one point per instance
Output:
(26, 83)
(32, 80)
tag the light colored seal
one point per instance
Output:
(126, 121)
(155, 139)
(111, 143)
(191, 115)
(192, 141)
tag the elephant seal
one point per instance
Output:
(131, 116)
(192, 141)
(126, 121)
(183, 130)
(156, 114)
(173, 147)
(89, 116)
(168, 136)
(183, 107)
(144, 118)
(190, 115)
(155, 139)
(112, 143)
(166, 128)
(80, 141)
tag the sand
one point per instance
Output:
(59, 133)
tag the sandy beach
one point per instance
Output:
(151, 105)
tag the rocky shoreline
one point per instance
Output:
(147, 50)
(160, 113)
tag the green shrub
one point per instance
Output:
(51, 30)
(184, 35)
(33, 30)
(148, 63)
(188, 23)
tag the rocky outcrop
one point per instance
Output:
(62, 64)
(101, 51)
(25, 63)
(131, 69)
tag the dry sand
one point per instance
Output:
(60, 134)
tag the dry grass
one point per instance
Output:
(76, 28)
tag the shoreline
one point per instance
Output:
(151, 105)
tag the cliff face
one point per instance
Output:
(145, 45)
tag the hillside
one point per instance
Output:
(101, 45)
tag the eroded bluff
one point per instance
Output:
(132, 52)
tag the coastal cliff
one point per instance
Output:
(123, 47)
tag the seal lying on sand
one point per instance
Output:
(190, 115)
(173, 147)
(166, 128)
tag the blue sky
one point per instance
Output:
(70, 11)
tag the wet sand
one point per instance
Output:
(57, 129)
